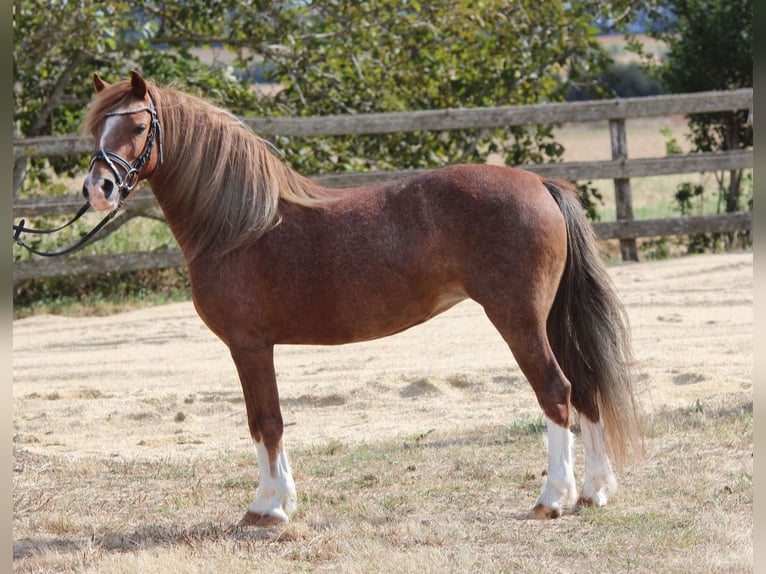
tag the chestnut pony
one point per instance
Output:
(274, 258)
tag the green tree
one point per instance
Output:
(59, 44)
(710, 47)
(349, 57)
(335, 56)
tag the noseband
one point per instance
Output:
(125, 184)
(127, 181)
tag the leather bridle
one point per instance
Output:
(125, 183)
(128, 180)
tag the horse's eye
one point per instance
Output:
(139, 129)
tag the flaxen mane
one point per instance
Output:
(231, 182)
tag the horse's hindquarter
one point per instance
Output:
(385, 258)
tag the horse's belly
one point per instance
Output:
(367, 320)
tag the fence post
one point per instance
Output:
(622, 195)
(19, 164)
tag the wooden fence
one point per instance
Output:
(620, 168)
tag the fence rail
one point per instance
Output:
(620, 168)
(447, 119)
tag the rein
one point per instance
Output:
(19, 229)
(125, 184)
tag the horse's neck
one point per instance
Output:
(169, 198)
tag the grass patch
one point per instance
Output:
(455, 501)
(99, 295)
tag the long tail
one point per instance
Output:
(590, 335)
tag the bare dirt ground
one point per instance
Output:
(131, 450)
(157, 383)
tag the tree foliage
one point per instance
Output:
(330, 57)
(59, 44)
(710, 47)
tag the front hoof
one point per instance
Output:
(262, 520)
(544, 512)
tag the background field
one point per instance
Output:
(131, 449)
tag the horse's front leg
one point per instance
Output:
(275, 499)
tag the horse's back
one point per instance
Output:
(462, 204)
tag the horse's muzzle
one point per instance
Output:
(100, 193)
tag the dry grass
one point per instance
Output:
(453, 501)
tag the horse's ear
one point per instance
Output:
(138, 84)
(98, 83)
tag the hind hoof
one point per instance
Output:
(585, 502)
(544, 512)
(261, 520)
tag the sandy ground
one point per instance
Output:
(157, 383)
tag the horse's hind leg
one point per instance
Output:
(275, 498)
(599, 478)
(524, 331)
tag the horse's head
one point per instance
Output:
(128, 141)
